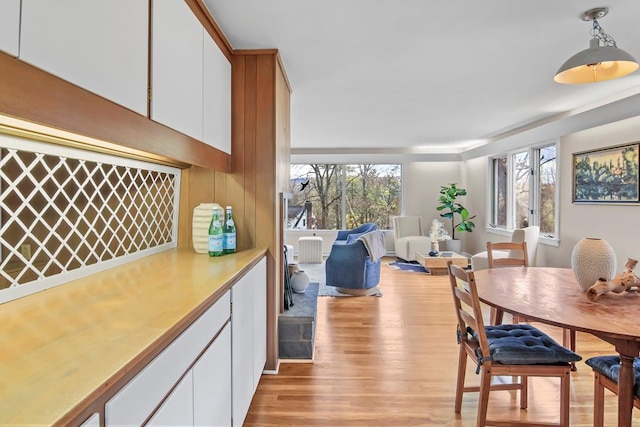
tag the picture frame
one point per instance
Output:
(607, 175)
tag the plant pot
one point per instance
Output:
(454, 245)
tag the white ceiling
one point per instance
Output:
(418, 76)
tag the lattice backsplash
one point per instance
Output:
(66, 213)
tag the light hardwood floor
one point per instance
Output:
(391, 361)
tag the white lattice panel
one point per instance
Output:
(67, 213)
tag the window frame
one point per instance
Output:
(534, 151)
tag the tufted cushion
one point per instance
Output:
(609, 366)
(523, 344)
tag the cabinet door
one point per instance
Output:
(101, 46)
(177, 409)
(176, 67)
(242, 347)
(212, 383)
(246, 352)
(92, 421)
(259, 320)
(217, 97)
(10, 26)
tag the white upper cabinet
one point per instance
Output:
(217, 96)
(99, 45)
(10, 26)
(176, 67)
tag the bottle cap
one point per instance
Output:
(228, 207)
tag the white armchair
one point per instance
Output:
(409, 237)
(528, 234)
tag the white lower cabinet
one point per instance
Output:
(140, 397)
(208, 375)
(248, 324)
(212, 384)
(177, 409)
(92, 421)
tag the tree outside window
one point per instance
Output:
(343, 196)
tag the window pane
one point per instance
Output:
(547, 188)
(372, 195)
(499, 214)
(522, 171)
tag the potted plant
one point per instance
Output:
(448, 196)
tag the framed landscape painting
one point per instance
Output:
(608, 175)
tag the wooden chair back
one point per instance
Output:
(468, 310)
(517, 257)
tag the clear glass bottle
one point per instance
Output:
(229, 241)
(215, 235)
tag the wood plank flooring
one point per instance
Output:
(391, 361)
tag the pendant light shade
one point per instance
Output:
(597, 63)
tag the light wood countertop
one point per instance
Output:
(65, 348)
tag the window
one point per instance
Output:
(343, 196)
(524, 186)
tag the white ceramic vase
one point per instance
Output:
(435, 246)
(200, 222)
(299, 281)
(593, 259)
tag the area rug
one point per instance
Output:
(412, 266)
(316, 274)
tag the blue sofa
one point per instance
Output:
(349, 267)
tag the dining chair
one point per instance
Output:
(517, 256)
(516, 350)
(605, 372)
(513, 254)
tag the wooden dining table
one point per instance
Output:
(553, 296)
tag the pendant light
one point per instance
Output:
(598, 62)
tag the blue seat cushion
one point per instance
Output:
(609, 366)
(523, 344)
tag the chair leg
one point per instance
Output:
(483, 399)
(598, 401)
(496, 316)
(569, 341)
(462, 369)
(524, 392)
(565, 396)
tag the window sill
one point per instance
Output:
(548, 241)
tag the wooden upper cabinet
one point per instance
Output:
(176, 67)
(10, 26)
(101, 46)
(217, 97)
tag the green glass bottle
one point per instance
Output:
(229, 241)
(215, 235)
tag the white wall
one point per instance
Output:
(616, 224)
(421, 184)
